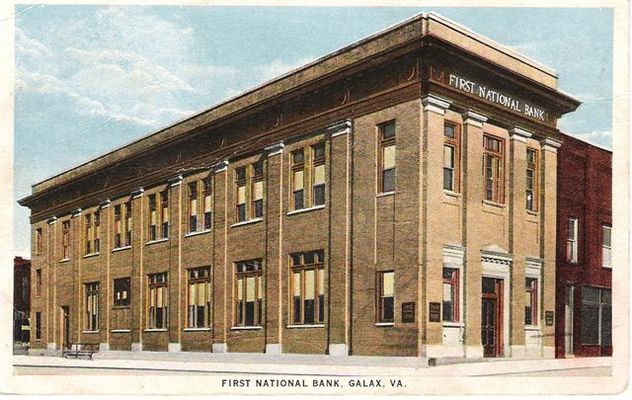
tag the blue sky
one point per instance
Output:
(90, 78)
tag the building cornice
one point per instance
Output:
(341, 128)
(435, 104)
(274, 149)
(474, 119)
(519, 134)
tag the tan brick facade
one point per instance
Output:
(416, 231)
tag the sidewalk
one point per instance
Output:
(146, 362)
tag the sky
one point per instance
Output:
(93, 78)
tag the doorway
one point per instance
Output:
(492, 317)
(569, 301)
(65, 326)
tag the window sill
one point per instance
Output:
(120, 330)
(250, 221)
(246, 328)
(384, 324)
(196, 329)
(384, 194)
(198, 233)
(494, 204)
(120, 307)
(114, 250)
(533, 213)
(532, 328)
(89, 331)
(155, 330)
(91, 255)
(306, 326)
(156, 241)
(304, 210)
(609, 268)
(64, 260)
(450, 193)
(453, 325)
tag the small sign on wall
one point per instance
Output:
(408, 312)
(434, 312)
(548, 318)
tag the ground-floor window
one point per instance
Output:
(450, 295)
(121, 292)
(386, 297)
(531, 302)
(92, 306)
(38, 325)
(308, 287)
(249, 293)
(158, 301)
(199, 298)
(596, 316)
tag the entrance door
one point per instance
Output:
(491, 317)
(568, 320)
(65, 326)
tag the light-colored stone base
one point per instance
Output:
(442, 350)
(137, 346)
(548, 352)
(51, 346)
(219, 348)
(338, 349)
(517, 351)
(273, 349)
(474, 351)
(104, 347)
(174, 347)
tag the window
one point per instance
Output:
(532, 180)
(88, 235)
(92, 227)
(65, 240)
(386, 297)
(249, 191)
(193, 206)
(164, 217)
(38, 241)
(92, 306)
(571, 240)
(208, 203)
(249, 293)
(387, 158)
(128, 223)
(152, 217)
(606, 249)
(318, 174)
(308, 287)
(117, 226)
(493, 156)
(38, 277)
(38, 325)
(257, 189)
(298, 179)
(531, 301)
(97, 231)
(451, 157)
(199, 298)
(450, 295)
(158, 301)
(596, 316)
(122, 292)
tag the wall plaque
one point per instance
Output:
(434, 314)
(408, 312)
(548, 318)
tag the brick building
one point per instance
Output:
(396, 197)
(584, 268)
(21, 299)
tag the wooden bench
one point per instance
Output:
(80, 349)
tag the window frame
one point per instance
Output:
(572, 244)
(38, 325)
(128, 222)
(535, 179)
(534, 290)
(256, 177)
(207, 193)
(158, 282)
(152, 218)
(240, 279)
(295, 168)
(192, 320)
(606, 248)
(122, 302)
(455, 282)
(302, 268)
(38, 281)
(38, 241)
(497, 168)
(455, 144)
(380, 298)
(91, 306)
(65, 239)
(383, 144)
(118, 226)
(193, 206)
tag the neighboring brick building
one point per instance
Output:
(396, 197)
(584, 268)
(21, 299)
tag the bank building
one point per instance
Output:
(396, 197)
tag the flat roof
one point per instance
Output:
(415, 27)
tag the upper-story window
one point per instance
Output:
(65, 240)
(128, 223)
(493, 168)
(193, 206)
(38, 241)
(571, 240)
(158, 215)
(208, 203)
(249, 191)
(451, 157)
(386, 161)
(606, 246)
(532, 180)
(153, 217)
(38, 281)
(92, 232)
(117, 226)
(164, 213)
(308, 177)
